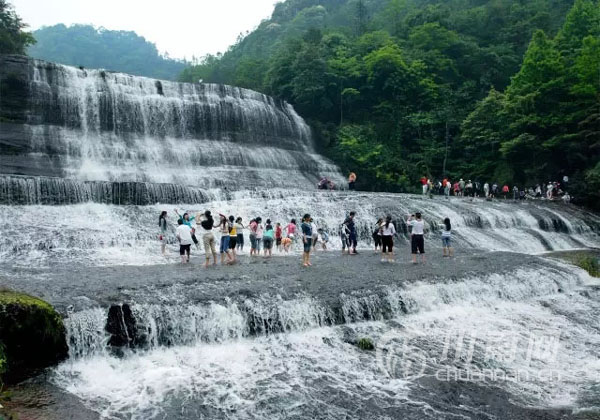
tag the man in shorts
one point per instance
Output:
(184, 236)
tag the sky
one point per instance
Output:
(182, 28)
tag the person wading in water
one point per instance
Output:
(207, 223)
(352, 239)
(416, 238)
(162, 232)
(307, 233)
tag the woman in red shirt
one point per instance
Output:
(278, 233)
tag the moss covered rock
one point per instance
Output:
(366, 344)
(32, 336)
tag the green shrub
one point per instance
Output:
(365, 344)
(589, 264)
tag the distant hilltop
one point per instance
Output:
(91, 47)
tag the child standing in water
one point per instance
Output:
(306, 239)
(323, 238)
(447, 250)
(278, 234)
(286, 243)
(313, 227)
(344, 235)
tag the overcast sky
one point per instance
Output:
(180, 27)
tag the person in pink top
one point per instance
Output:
(290, 229)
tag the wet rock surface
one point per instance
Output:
(37, 399)
(77, 288)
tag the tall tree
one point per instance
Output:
(13, 37)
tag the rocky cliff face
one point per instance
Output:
(17, 154)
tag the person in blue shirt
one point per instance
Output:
(323, 238)
(306, 239)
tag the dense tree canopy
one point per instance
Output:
(550, 114)
(13, 38)
(85, 45)
(396, 89)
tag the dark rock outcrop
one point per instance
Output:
(121, 326)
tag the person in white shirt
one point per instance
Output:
(388, 230)
(417, 241)
(184, 236)
(315, 238)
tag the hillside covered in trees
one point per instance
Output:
(503, 91)
(85, 45)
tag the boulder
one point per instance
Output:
(121, 325)
(32, 336)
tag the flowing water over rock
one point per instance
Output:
(210, 360)
(89, 158)
(93, 125)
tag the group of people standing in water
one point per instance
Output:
(385, 231)
(199, 228)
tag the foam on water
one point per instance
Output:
(98, 234)
(278, 376)
(312, 371)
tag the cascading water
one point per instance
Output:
(89, 158)
(94, 126)
(213, 365)
(100, 234)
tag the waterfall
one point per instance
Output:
(97, 234)
(94, 125)
(211, 358)
(147, 326)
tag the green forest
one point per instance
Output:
(87, 46)
(499, 91)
